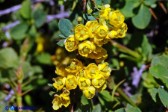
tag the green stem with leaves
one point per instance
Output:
(125, 50)
(120, 91)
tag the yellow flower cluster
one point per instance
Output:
(72, 74)
(61, 100)
(89, 38)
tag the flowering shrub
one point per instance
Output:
(83, 56)
(88, 39)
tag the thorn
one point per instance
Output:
(163, 7)
(153, 14)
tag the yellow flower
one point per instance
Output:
(59, 82)
(40, 47)
(89, 92)
(86, 48)
(91, 71)
(98, 82)
(66, 61)
(71, 82)
(71, 44)
(60, 70)
(92, 26)
(119, 32)
(59, 56)
(101, 31)
(81, 73)
(40, 44)
(83, 82)
(99, 54)
(61, 100)
(116, 18)
(99, 42)
(104, 12)
(74, 66)
(104, 69)
(60, 51)
(102, 87)
(81, 32)
(122, 31)
(97, 30)
(112, 34)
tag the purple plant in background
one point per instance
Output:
(136, 75)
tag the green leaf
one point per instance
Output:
(162, 60)
(149, 2)
(130, 108)
(39, 17)
(19, 31)
(65, 26)
(146, 48)
(27, 69)
(120, 110)
(106, 1)
(129, 6)
(149, 81)
(8, 58)
(37, 69)
(44, 58)
(58, 35)
(153, 92)
(25, 10)
(97, 108)
(33, 31)
(160, 72)
(88, 17)
(163, 95)
(61, 42)
(2, 36)
(84, 100)
(102, 102)
(142, 19)
(98, 2)
(41, 81)
(106, 96)
(28, 99)
(159, 68)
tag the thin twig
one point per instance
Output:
(153, 14)
(48, 19)
(11, 25)
(27, 91)
(10, 10)
(57, 16)
(17, 7)
(163, 7)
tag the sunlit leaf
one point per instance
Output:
(39, 17)
(142, 19)
(65, 26)
(25, 10)
(19, 31)
(84, 100)
(8, 58)
(130, 108)
(159, 68)
(97, 108)
(129, 6)
(44, 58)
(163, 95)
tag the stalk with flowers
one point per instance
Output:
(86, 43)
